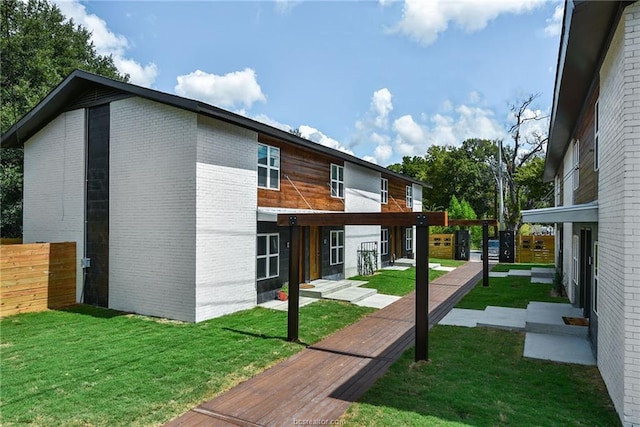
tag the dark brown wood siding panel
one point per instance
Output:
(397, 196)
(585, 132)
(310, 173)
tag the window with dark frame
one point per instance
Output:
(410, 196)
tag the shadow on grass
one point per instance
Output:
(262, 336)
(93, 311)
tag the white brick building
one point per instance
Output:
(172, 202)
(594, 156)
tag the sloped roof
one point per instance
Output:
(72, 92)
(586, 31)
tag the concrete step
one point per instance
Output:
(543, 272)
(322, 288)
(546, 318)
(352, 294)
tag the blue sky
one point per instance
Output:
(379, 79)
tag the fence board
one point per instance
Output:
(441, 246)
(536, 249)
(36, 277)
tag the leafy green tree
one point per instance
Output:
(39, 48)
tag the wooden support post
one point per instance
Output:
(485, 253)
(422, 289)
(294, 279)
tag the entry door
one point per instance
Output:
(314, 253)
(586, 264)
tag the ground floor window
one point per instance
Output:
(409, 239)
(267, 256)
(337, 247)
(384, 241)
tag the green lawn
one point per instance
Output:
(477, 377)
(400, 283)
(514, 291)
(91, 366)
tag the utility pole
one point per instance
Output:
(501, 220)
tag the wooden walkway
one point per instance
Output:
(321, 381)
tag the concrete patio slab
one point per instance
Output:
(543, 271)
(378, 301)
(559, 348)
(521, 273)
(541, 280)
(462, 317)
(546, 318)
(351, 295)
(498, 274)
(396, 267)
(443, 268)
(504, 318)
(284, 305)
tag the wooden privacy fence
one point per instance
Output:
(536, 249)
(36, 277)
(441, 246)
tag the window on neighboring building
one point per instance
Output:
(576, 164)
(337, 181)
(384, 241)
(384, 191)
(595, 276)
(596, 151)
(267, 256)
(410, 196)
(337, 247)
(409, 239)
(575, 267)
(268, 167)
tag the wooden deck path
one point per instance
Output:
(321, 381)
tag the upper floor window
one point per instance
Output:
(596, 151)
(337, 247)
(576, 164)
(267, 256)
(409, 196)
(384, 191)
(337, 181)
(268, 167)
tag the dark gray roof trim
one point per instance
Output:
(586, 33)
(79, 81)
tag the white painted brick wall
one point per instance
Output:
(54, 185)
(362, 194)
(227, 200)
(619, 218)
(152, 235)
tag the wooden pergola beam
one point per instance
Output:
(405, 219)
(472, 222)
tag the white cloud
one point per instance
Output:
(554, 24)
(230, 90)
(315, 135)
(285, 6)
(370, 159)
(263, 118)
(107, 43)
(447, 128)
(423, 21)
(383, 153)
(381, 106)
